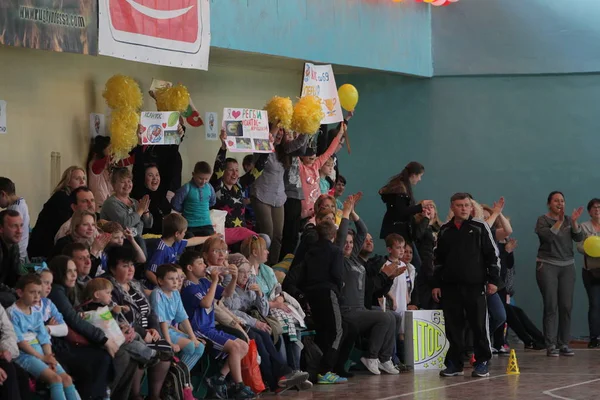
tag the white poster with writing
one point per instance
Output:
(425, 343)
(163, 32)
(212, 126)
(3, 128)
(97, 125)
(159, 127)
(247, 130)
(318, 80)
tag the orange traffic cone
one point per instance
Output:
(513, 366)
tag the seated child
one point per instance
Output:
(199, 295)
(195, 198)
(35, 355)
(410, 277)
(117, 238)
(166, 302)
(398, 294)
(51, 317)
(170, 246)
(97, 294)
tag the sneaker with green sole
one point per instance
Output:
(330, 379)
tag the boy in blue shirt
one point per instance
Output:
(199, 295)
(195, 198)
(170, 246)
(166, 302)
(35, 349)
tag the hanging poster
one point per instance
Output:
(318, 80)
(164, 32)
(67, 25)
(3, 128)
(211, 126)
(159, 127)
(97, 125)
(247, 130)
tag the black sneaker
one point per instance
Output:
(480, 370)
(244, 392)
(218, 385)
(566, 351)
(594, 343)
(451, 370)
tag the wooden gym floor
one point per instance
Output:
(542, 377)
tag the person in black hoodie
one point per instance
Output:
(425, 230)
(322, 286)
(401, 207)
(467, 268)
(159, 204)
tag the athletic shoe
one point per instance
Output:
(480, 370)
(535, 346)
(388, 367)
(330, 379)
(402, 368)
(566, 351)
(244, 392)
(504, 351)
(552, 352)
(451, 370)
(594, 343)
(219, 386)
(372, 365)
(305, 385)
(292, 379)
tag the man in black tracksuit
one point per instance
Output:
(466, 268)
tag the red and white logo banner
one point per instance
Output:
(174, 33)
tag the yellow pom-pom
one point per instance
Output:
(123, 128)
(121, 92)
(307, 115)
(280, 111)
(176, 98)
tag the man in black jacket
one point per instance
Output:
(11, 229)
(466, 268)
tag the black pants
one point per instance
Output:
(10, 388)
(335, 337)
(291, 226)
(520, 323)
(206, 230)
(272, 365)
(462, 303)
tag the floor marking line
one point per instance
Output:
(445, 386)
(549, 392)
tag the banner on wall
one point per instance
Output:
(318, 80)
(425, 343)
(175, 33)
(159, 127)
(247, 130)
(65, 26)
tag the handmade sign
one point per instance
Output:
(247, 130)
(212, 126)
(159, 127)
(3, 128)
(97, 125)
(319, 81)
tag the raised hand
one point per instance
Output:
(498, 206)
(223, 138)
(576, 214)
(511, 245)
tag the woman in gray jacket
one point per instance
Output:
(591, 272)
(555, 271)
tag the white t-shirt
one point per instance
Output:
(21, 207)
(399, 289)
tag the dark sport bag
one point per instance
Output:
(178, 383)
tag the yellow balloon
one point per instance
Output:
(591, 246)
(348, 97)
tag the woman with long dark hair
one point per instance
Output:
(401, 206)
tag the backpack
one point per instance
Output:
(178, 383)
(311, 358)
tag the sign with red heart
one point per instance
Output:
(247, 130)
(160, 128)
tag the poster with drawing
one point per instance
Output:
(318, 80)
(247, 130)
(97, 125)
(212, 126)
(159, 127)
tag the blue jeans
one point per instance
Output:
(496, 311)
(592, 287)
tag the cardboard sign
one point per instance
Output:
(318, 80)
(159, 127)
(247, 130)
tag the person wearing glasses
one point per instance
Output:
(170, 246)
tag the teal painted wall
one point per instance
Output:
(481, 37)
(518, 137)
(375, 34)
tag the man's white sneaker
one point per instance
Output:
(372, 365)
(388, 367)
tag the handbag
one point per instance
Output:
(76, 339)
(250, 369)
